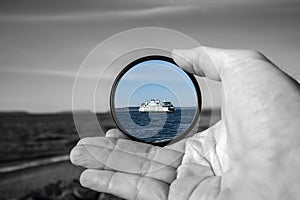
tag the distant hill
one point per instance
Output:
(24, 113)
(14, 113)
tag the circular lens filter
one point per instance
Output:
(129, 81)
(154, 101)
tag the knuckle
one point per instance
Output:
(145, 167)
(112, 181)
(254, 54)
(241, 59)
(196, 55)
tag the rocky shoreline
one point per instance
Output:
(60, 190)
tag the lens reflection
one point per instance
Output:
(154, 100)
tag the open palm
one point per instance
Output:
(252, 153)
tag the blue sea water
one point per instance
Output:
(155, 126)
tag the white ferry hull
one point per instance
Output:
(156, 110)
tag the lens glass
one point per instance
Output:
(155, 101)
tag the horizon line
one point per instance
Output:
(71, 111)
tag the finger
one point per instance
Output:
(116, 133)
(214, 63)
(127, 186)
(105, 157)
(164, 156)
(100, 158)
(199, 187)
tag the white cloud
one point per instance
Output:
(230, 7)
(162, 10)
(44, 72)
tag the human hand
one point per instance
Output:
(250, 154)
(125, 168)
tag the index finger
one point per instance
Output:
(124, 185)
(127, 156)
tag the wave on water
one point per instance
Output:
(156, 126)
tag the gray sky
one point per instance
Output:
(42, 43)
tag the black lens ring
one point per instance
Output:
(131, 65)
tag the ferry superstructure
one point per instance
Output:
(154, 105)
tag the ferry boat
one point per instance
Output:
(157, 106)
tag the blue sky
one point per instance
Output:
(44, 42)
(155, 79)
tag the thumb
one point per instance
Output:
(214, 63)
(201, 61)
